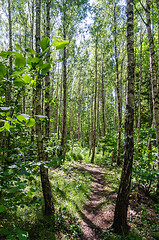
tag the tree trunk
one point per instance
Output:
(154, 80)
(95, 107)
(64, 123)
(25, 43)
(117, 89)
(47, 81)
(139, 96)
(8, 86)
(103, 100)
(157, 2)
(57, 103)
(120, 224)
(34, 91)
(91, 128)
(49, 207)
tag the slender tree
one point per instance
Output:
(64, 122)
(117, 88)
(140, 81)
(95, 101)
(49, 206)
(120, 217)
(153, 79)
(47, 79)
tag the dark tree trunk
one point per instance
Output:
(120, 224)
(49, 207)
(95, 103)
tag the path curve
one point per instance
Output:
(95, 219)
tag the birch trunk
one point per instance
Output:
(95, 103)
(64, 122)
(103, 99)
(34, 90)
(120, 224)
(118, 90)
(153, 81)
(139, 97)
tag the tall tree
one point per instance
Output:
(95, 101)
(47, 79)
(120, 217)
(49, 206)
(153, 79)
(64, 122)
(117, 88)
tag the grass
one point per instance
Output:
(71, 188)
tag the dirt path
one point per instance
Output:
(95, 218)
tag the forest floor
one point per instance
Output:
(85, 196)
(94, 220)
(98, 212)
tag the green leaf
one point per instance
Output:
(52, 120)
(18, 47)
(44, 43)
(4, 54)
(22, 235)
(2, 129)
(58, 43)
(9, 119)
(27, 78)
(7, 125)
(31, 51)
(30, 122)
(35, 60)
(21, 118)
(3, 70)
(30, 193)
(18, 82)
(2, 208)
(20, 60)
(33, 190)
(45, 68)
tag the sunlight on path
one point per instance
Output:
(96, 214)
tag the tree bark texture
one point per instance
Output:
(155, 96)
(64, 123)
(103, 98)
(139, 96)
(8, 90)
(120, 224)
(95, 104)
(47, 80)
(49, 207)
(117, 89)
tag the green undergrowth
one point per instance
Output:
(70, 186)
(24, 219)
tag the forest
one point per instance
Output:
(79, 119)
